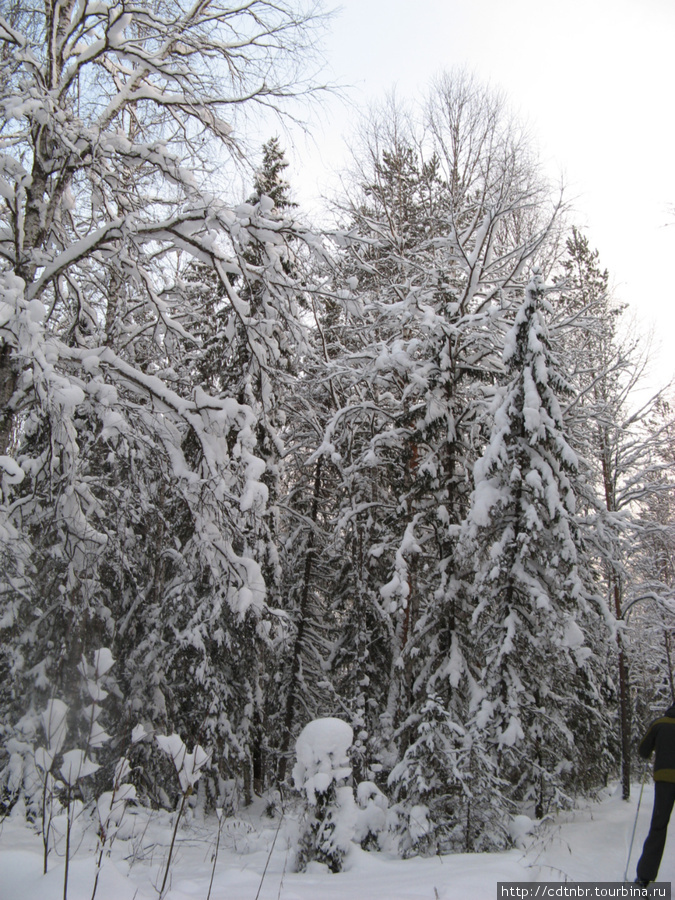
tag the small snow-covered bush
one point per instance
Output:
(371, 818)
(20, 781)
(321, 770)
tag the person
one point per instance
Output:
(660, 737)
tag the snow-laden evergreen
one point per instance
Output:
(320, 772)
(521, 541)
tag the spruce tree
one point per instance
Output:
(270, 180)
(530, 660)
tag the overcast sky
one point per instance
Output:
(594, 79)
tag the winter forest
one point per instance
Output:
(367, 522)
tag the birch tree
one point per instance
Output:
(129, 489)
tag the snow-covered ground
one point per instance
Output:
(589, 844)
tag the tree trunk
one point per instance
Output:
(8, 379)
(666, 638)
(624, 702)
(609, 478)
(292, 696)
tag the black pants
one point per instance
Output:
(664, 797)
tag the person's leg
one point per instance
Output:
(664, 797)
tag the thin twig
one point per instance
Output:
(215, 854)
(269, 856)
(173, 841)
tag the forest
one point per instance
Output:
(372, 516)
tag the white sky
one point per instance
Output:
(594, 79)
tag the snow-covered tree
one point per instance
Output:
(136, 486)
(649, 609)
(270, 180)
(530, 660)
(622, 446)
(320, 773)
(265, 378)
(435, 777)
(435, 269)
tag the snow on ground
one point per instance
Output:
(589, 844)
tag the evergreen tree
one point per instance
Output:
(530, 661)
(437, 269)
(255, 358)
(270, 180)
